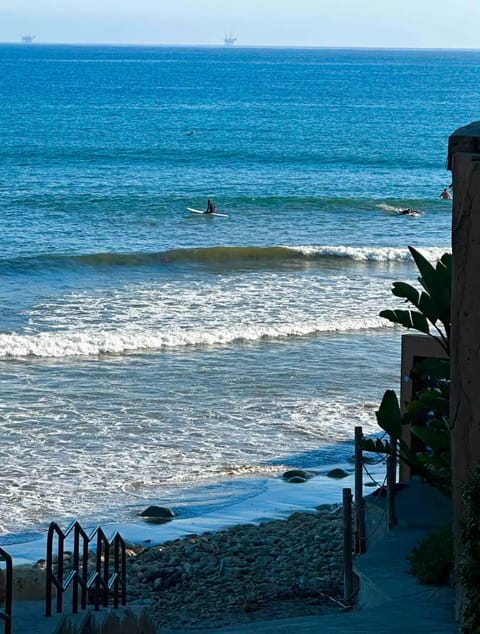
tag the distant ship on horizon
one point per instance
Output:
(28, 39)
(229, 40)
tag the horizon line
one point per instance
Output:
(239, 46)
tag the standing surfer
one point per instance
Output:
(210, 207)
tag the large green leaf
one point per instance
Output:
(437, 441)
(406, 291)
(389, 416)
(437, 282)
(429, 278)
(432, 304)
(421, 301)
(428, 307)
(444, 271)
(408, 319)
(433, 400)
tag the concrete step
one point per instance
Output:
(29, 618)
(128, 620)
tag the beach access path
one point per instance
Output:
(390, 601)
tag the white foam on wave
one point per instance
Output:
(275, 500)
(113, 464)
(93, 342)
(372, 254)
(218, 311)
(387, 207)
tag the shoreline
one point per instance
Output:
(277, 500)
(278, 555)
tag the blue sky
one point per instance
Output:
(371, 23)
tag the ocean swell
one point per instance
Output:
(224, 255)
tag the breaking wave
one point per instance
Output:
(101, 342)
(224, 255)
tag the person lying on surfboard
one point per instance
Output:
(210, 207)
(409, 212)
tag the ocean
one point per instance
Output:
(153, 356)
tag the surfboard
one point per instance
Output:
(198, 211)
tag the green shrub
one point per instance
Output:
(431, 561)
(470, 560)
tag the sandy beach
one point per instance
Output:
(278, 569)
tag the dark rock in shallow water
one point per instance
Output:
(296, 473)
(296, 480)
(338, 474)
(157, 514)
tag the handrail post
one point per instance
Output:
(359, 501)
(347, 545)
(60, 554)
(76, 548)
(98, 570)
(116, 560)
(84, 591)
(123, 552)
(6, 614)
(391, 480)
(119, 572)
(106, 568)
(49, 571)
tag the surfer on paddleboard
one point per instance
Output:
(210, 207)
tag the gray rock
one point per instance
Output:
(157, 514)
(296, 480)
(296, 473)
(337, 474)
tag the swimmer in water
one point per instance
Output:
(409, 212)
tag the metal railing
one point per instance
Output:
(360, 532)
(100, 578)
(355, 538)
(348, 578)
(388, 488)
(6, 611)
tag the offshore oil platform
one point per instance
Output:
(229, 40)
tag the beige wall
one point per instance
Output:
(414, 348)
